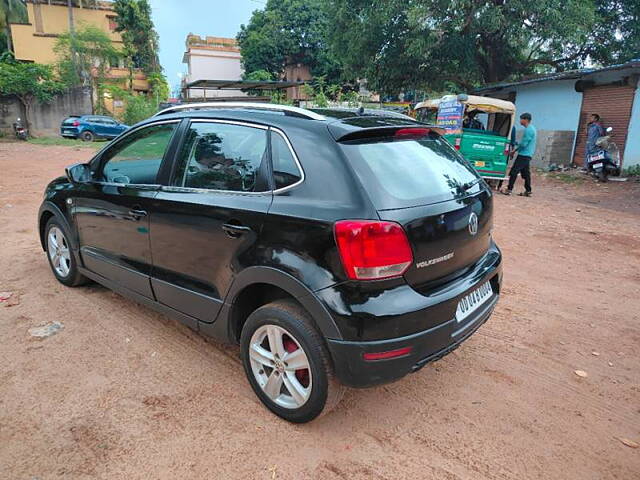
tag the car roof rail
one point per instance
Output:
(286, 109)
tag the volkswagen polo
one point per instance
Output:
(335, 250)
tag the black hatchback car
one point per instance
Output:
(335, 250)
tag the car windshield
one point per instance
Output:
(400, 173)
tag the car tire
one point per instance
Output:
(87, 136)
(60, 255)
(316, 391)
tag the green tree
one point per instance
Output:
(141, 45)
(139, 36)
(453, 44)
(11, 11)
(257, 76)
(29, 81)
(288, 31)
(616, 37)
(84, 55)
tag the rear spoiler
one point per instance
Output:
(404, 131)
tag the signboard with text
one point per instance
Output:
(450, 116)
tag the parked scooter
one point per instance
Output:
(606, 161)
(20, 130)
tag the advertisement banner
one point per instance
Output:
(450, 116)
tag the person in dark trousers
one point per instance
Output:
(595, 130)
(525, 149)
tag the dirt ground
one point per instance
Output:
(123, 392)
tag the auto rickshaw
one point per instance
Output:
(481, 128)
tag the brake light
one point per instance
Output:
(412, 132)
(457, 144)
(76, 123)
(401, 352)
(507, 149)
(372, 250)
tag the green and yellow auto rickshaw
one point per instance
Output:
(481, 128)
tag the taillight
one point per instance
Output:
(372, 250)
(457, 144)
(76, 123)
(507, 149)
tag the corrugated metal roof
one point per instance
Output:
(568, 75)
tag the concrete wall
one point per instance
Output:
(555, 108)
(45, 118)
(632, 150)
(552, 147)
(10, 110)
(553, 105)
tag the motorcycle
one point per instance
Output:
(20, 130)
(605, 161)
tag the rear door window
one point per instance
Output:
(223, 156)
(285, 168)
(400, 173)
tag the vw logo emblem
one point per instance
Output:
(473, 223)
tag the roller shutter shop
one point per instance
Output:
(613, 103)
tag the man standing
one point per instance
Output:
(595, 130)
(525, 149)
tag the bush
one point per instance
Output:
(138, 108)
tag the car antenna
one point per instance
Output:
(360, 111)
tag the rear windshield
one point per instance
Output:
(400, 173)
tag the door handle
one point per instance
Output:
(137, 214)
(235, 231)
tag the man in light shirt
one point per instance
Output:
(525, 149)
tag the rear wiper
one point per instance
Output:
(466, 186)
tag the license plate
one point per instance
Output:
(479, 164)
(473, 301)
(596, 165)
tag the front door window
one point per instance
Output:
(136, 158)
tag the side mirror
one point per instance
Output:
(78, 173)
(609, 129)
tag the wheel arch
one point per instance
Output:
(262, 285)
(47, 211)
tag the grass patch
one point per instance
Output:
(68, 142)
(566, 177)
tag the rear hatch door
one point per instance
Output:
(68, 124)
(435, 194)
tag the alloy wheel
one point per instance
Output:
(280, 366)
(58, 250)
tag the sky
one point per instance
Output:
(175, 19)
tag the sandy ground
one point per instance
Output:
(123, 392)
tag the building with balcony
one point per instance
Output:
(211, 58)
(35, 40)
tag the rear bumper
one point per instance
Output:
(440, 334)
(69, 134)
(428, 346)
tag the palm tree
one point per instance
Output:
(11, 11)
